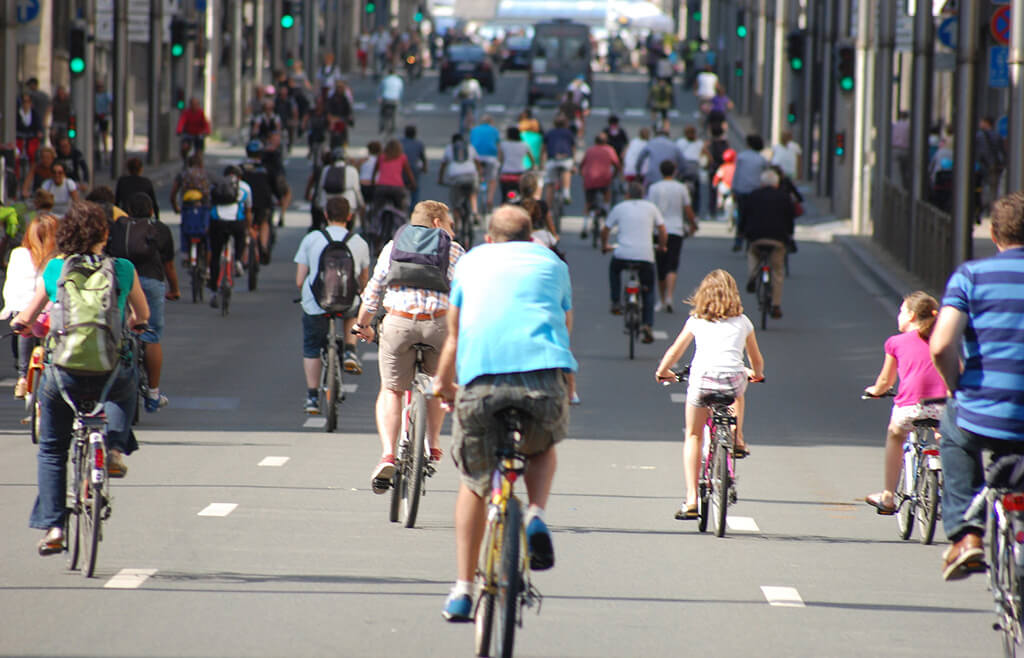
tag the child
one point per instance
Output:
(722, 333)
(907, 355)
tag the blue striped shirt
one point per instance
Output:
(991, 389)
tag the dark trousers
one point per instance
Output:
(646, 274)
(220, 232)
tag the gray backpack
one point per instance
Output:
(419, 258)
(86, 329)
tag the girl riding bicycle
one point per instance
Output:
(722, 334)
(907, 355)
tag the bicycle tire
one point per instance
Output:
(596, 229)
(1005, 583)
(720, 493)
(254, 265)
(333, 388)
(412, 486)
(509, 579)
(633, 330)
(197, 283)
(764, 299)
(928, 497)
(397, 481)
(33, 422)
(703, 505)
(484, 620)
(90, 518)
(72, 519)
(905, 513)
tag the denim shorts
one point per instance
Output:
(314, 332)
(155, 291)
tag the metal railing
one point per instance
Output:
(932, 242)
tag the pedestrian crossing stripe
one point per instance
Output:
(741, 524)
(678, 398)
(218, 509)
(350, 388)
(129, 578)
(783, 597)
(315, 423)
(274, 461)
(659, 334)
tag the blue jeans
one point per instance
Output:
(55, 419)
(646, 285)
(465, 107)
(155, 291)
(962, 473)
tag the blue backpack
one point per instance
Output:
(419, 258)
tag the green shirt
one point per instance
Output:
(124, 270)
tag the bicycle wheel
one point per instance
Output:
(764, 298)
(632, 328)
(397, 482)
(333, 386)
(1004, 582)
(254, 264)
(509, 580)
(196, 275)
(484, 623)
(484, 615)
(703, 504)
(72, 515)
(928, 500)
(412, 486)
(89, 518)
(33, 422)
(904, 499)
(721, 479)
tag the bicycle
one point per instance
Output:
(502, 576)
(386, 122)
(331, 394)
(253, 266)
(464, 230)
(557, 200)
(226, 278)
(32, 378)
(919, 489)
(763, 283)
(632, 312)
(138, 353)
(598, 213)
(195, 224)
(412, 467)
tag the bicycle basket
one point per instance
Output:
(195, 220)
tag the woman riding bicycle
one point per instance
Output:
(513, 154)
(722, 334)
(907, 355)
(390, 172)
(83, 231)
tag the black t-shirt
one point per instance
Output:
(264, 186)
(149, 264)
(768, 212)
(128, 186)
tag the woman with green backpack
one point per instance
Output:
(92, 294)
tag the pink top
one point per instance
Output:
(918, 377)
(390, 171)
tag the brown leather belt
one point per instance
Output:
(419, 316)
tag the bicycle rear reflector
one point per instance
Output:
(1013, 502)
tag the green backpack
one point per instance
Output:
(85, 323)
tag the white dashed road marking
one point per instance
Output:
(274, 461)
(495, 108)
(635, 112)
(129, 578)
(350, 388)
(8, 381)
(678, 398)
(659, 334)
(316, 423)
(370, 356)
(204, 403)
(741, 524)
(783, 597)
(424, 107)
(218, 509)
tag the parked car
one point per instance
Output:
(515, 53)
(463, 58)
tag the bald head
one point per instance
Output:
(509, 224)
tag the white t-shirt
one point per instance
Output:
(459, 169)
(785, 156)
(544, 237)
(309, 254)
(719, 345)
(690, 150)
(61, 194)
(231, 212)
(671, 197)
(636, 220)
(632, 154)
(514, 153)
(366, 170)
(707, 85)
(352, 193)
(468, 90)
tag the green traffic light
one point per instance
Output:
(181, 105)
(696, 16)
(418, 16)
(840, 151)
(739, 72)
(370, 7)
(77, 65)
(72, 133)
(287, 21)
(791, 118)
(741, 31)
(846, 84)
(796, 64)
(177, 50)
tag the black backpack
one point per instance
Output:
(225, 191)
(460, 151)
(334, 285)
(140, 240)
(334, 182)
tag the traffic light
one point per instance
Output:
(72, 128)
(741, 23)
(371, 6)
(179, 98)
(739, 68)
(795, 50)
(791, 114)
(693, 10)
(76, 50)
(418, 16)
(287, 14)
(840, 144)
(846, 58)
(177, 37)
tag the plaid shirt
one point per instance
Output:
(404, 298)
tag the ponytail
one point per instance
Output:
(925, 308)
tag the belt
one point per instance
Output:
(419, 316)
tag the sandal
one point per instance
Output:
(875, 500)
(436, 454)
(52, 542)
(739, 452)
(686, 513)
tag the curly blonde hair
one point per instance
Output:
(717, 297)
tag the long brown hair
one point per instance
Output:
(41, 239)
(392, 149)
(717, 297)
(925, 308)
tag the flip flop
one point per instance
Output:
(686, 514)
(875, 500)
(739, 452)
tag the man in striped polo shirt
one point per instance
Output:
(983, 305)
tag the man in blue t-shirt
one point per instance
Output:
(559, 151)
(508, 345)
(983, 305)
(484, 138)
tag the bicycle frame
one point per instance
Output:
(227, 264)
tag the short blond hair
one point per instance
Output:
(426, 212)
(716, 298)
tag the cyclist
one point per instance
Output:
(673, 200)
(413, 315)
(485, 139)
(328, 75)
(417, 154)
(339, 114)
(631, 159)
(599, 167)
(28, 127)
(231, 221)
(389, 97)
(722, 334)
(984, 412)
(63, 189)
(768, 214)
(193, 126)
(558, 154)
(73, 161)
(264, 191)
(636, 221)
(83, 231)
(273, 161)
(746, 178)
(338, 179)
(580, 95)
(191, 187)
(314, 321)
(460, 169)
(390, 174)
(265, 123)
(656, 151)
(133, 182)
(509, 325)
(617, 137)
(513, 154)
(660, 99)
(145, 241)
(467, 93)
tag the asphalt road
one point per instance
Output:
(298, 558)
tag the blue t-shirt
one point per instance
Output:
(512, 299)
(559, 143)
(990, 395)
(484, 139)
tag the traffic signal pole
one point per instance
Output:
(920, 114)
(807, 94)
(259, 27)
(156, 150)
(9, 83)
(1015, 171)
(237, 95)
(860, 198)
(277, 37)
(965, 123)
(119, 123)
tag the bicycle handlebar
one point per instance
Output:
(891, 393)
(683, 374)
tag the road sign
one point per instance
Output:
(1000, 25)
(1003, 126)
(998, 71)
(947, 31)
(28, 10)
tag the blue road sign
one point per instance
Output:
(947, 32)
(28, 10)
(998, 71)
(1003, 126)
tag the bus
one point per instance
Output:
(560, 52)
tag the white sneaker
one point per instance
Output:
(657, 307)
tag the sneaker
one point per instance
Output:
(616, 309)
(21, 388)
(658, 306)
(776, 312)
(116, 468)
(458, 608)
(646, 335)
(239, 269)
(381, 478)
(574, 399)
(155, 404)
(214, 302)
(538, 541)
(52, 542)
(566, 197)
(352, 363)
(668, 308)
(312, 406)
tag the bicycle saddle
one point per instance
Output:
(714, 399)
(927, 422)
(764, 249)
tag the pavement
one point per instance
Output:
(243, 529)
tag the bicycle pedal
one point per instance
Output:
(732, 496)
(429, 470)
(532, 596)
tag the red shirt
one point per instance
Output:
(193, 122)
(597, 166)
(389, 172)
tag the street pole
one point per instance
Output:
(211, 58)
(812, 72)
(9, 83)
(859, 206)
(310, 34)
(237, 96)
(277, 36)
(120, 88)
(779, 88)
(828, 91)
(190, 55)
(883, 122)
(259, 40)
(920, 102)
(1015, 171)
(964, 120)
(156, 64)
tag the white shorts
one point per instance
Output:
(489, 164)
(904, 417)
(732, 383)
(554, 165)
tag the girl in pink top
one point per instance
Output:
(390, 173)
(907, 355)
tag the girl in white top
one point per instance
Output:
(722, 334)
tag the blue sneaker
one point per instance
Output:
(458, 608)
(154, 404)
(538, 540)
